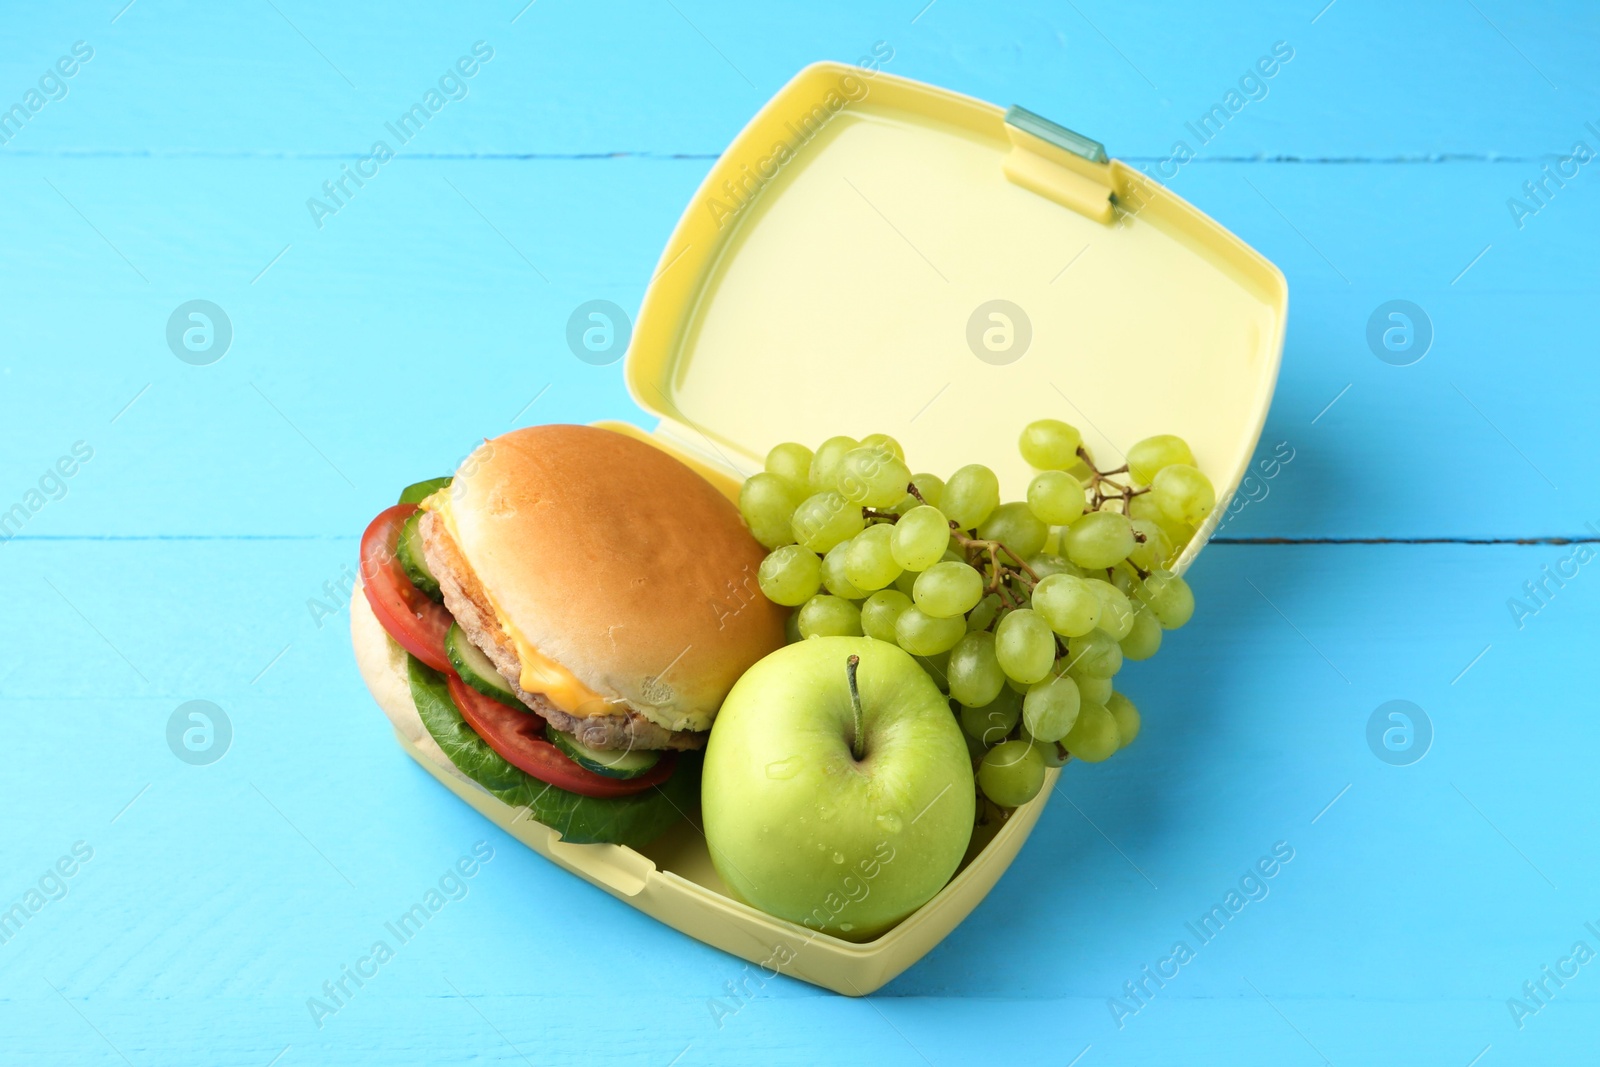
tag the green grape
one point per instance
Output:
(1095, 653)
(937, 667)
(1126, 581)
(829, 616)
(1051, 707)
(791, 628)
(1180, 534)
(1094, 736)
(824, 520)
(1169, 597)
(981, 616)
(885, 442)
(1126, 716)
(870, 564)
(1045, 564)
(975, 675)
(975, 748)
(1067, 604)
(767, 502)
(931, 486)
(1049, 444)
(1144, 640)
(1016, 527)
(790, 575)
(828, 462)
(991, 723)
(1056, 497)
(970, 495)
(1145, 506)
(920, 538)
(1025, 646)
(948, 590)
(879, 612)
(1020, 688)
(1050, 751)
(1184, 494)
(834, 578)
(1148, 457)
(923, 635)
(791, 462)
(1098, 540)
(1092, 690)
(872, 477)
(1154, 550)
(1011, 774)
(1116, 611)
(906, 582)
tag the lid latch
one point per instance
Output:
(1058, 164)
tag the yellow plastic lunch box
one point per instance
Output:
(875, 254)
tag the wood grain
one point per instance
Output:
(185, 558)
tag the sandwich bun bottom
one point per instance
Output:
(383, 667)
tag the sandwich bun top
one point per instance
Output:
(618, 562)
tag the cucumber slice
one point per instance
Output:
(409, 552)
(628, 764)
(414, 493)
(477, 670)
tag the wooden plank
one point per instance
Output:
(1365, 81)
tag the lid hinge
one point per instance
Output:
(1058, 164)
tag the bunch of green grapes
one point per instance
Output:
(1021, 612)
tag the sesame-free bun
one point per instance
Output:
(619, 563)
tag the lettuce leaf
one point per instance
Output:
(633, 820)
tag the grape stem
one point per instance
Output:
(1099, 480)
(858, 745)
(997, 571)
(975, 547)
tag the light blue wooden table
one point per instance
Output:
(177, 561)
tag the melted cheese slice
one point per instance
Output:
(540, 673)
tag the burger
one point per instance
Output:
(559, 622)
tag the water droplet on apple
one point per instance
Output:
(838, 857)
(784, 768)
(890, 822)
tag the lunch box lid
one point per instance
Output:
(872, 254)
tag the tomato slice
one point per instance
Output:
(403, 610)
(519, 738)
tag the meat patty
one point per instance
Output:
(464, 596)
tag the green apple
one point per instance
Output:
(802, 822)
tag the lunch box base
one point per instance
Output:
(673, 881)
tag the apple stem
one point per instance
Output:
(858, 747)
